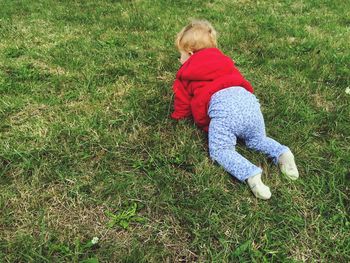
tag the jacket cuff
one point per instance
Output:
(177, 116)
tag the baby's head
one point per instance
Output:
(195, 36)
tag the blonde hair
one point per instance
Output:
(198, 34)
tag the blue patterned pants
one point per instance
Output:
(235, 113)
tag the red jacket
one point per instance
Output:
(204, 73)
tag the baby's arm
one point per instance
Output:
(182, 102)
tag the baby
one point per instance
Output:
(210, 88)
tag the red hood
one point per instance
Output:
(206, 65)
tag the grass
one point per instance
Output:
(85, 138)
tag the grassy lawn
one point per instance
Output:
(87, 148)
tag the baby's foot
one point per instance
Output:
(259, 189)
(288, 166)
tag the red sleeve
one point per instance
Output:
(182, 101)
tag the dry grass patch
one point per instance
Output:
(322, 103)
(63, 217)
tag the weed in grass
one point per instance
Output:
(124, 218)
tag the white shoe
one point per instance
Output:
(259, 189)
(287, 165)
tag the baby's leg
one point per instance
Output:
(255, 138)
(222, 142)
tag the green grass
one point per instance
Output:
(85, 138)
